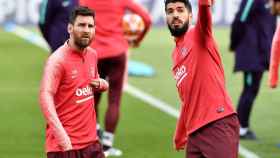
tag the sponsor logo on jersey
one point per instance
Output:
(180, 74)
(84, 91)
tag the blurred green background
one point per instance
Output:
(143, 132)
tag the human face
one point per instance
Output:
(178, 18)
(82, 31)
(275, 7)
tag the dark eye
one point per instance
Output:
(169, 11)
(81, 24)
(180, 10)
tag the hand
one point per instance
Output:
(66, 144)
(273, 79)
(95, 83)
(133, 44)
(100, 84)
(272, 86)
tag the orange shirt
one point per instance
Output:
(109, 40)
(66, 86)
(198, 71)
(274, 59)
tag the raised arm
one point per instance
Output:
(274, 59)
(204, 18)
(49, 85)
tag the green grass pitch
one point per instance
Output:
(143, 132)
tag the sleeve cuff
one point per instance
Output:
(206, 2)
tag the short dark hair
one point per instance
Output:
(80, 10)
(186, 2)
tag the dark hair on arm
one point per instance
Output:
(186, 2)
(82, 11)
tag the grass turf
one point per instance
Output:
(143, 131)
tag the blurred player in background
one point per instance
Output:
(251, 37)
(275, 51)
(66, 93)
(112, 48)
(208, 125)
(54, 18)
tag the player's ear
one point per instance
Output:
(70, 28)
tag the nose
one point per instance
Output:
(86, 28)
(175, 14)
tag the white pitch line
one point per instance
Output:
(154, 102)
(170, 110)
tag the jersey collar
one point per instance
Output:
(73, 51)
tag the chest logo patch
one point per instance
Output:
(184, 51)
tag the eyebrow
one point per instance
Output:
(84, 23)
(180, 7)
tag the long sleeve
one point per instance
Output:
(204, 20)
(103, 85)
(180, 136)
(274, 59)
(49, 85)
(136, 8)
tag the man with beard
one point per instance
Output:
(66, 93)
(208, 125)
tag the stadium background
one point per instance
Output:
(25, 12)
(144, 131)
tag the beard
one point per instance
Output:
(177, 32)
(82, 42)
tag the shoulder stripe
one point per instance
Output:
(43, 11)
(246, 11)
